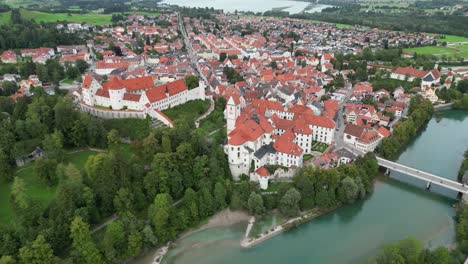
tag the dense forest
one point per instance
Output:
(411, 21)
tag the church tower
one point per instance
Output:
(232, 112)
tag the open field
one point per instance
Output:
(452, 51)
(25, 3)
(35, 189)
(338, 25)
(97, 19)
(452, 39)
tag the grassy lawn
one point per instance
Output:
(320, 147)
(307, 157)
(189, 111)
(275, 186)
(5, 17)
(430, 50)
(215, 120)
(338, 25)
(452, 51)
(98, 19)
(451, 39)
(68, 81)
(35, 188)
(25, 3)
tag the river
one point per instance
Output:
(353, 233)
(290, 6)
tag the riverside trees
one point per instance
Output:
(420, 112)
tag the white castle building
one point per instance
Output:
(136, 97)
(266, 133)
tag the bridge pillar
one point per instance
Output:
(428, 185)
(387, 172)
(464, 198)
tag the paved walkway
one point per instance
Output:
(207, 113)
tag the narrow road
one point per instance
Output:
(191, 53)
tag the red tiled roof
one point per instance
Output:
(262, 171)
(112, 65)
(87, 81)
(369, 136)
(410, 71)
(103, 93)
(320, 121)
(131, 97)
(159, 92)
(8, 55)
(134, 84)
(353, 130)
(285, 144)
(384, 132)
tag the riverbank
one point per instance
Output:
(248, 242)
(222, 219)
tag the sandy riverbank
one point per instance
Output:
(225, 217)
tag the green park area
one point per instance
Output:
(91, 18)
(452, 39)
(188, 112)
(35, 188)
(456, 51)
(338, 25)
(38, 16)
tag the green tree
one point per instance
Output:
(166, 144)
(45, 169)
(113, 139)
(255, 204)
(348, 190)
(222, 56)
(206, 204)
(159, 214)
(135, 243)
(220, 195)
(6, 173)
(149, 237)
(123, 201)
(53, 145)
(114, 241)
(37, 253)
(7, 260)
(190, 202)
(304, 184)
(18, 194)
(81, 65)
(83, 243)
(191, 81)
(462, 86)
(289, 203)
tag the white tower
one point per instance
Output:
(232, 112)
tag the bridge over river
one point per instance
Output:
(425, 176)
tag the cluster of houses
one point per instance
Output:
(277, 112)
